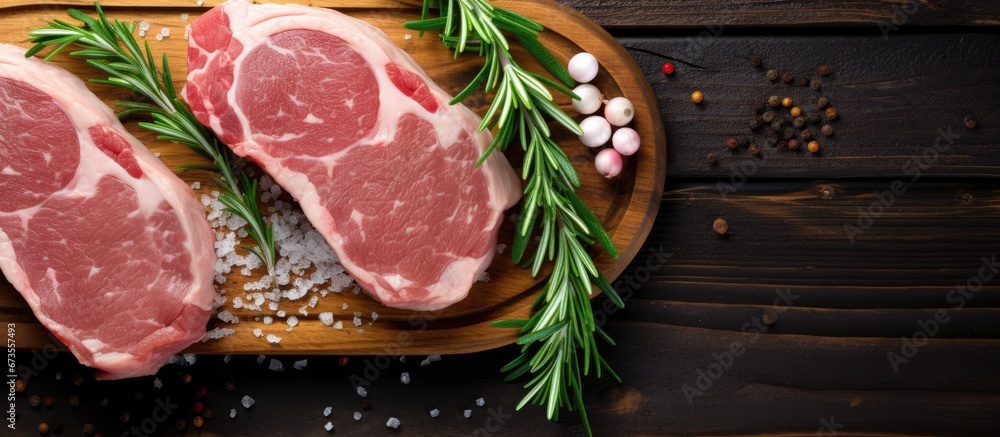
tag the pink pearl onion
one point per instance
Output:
(609, 163)
(626, 141)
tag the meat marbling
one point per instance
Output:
(108, 247)
(354, 129)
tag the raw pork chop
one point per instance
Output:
(108, 247)
(353, 128)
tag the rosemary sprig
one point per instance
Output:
(559, 340)
(111, 48)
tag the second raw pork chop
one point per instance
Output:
(351, 126)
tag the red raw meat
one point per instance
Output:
(353, 128)
(108, 247)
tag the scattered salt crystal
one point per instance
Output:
(304, 311)
(357, 415)
(407, 37)
(247, 402)
(273, 339)
(218, 333)
(280, 313)
(374, 316)
(361, 330)
(404, 377)
(292, 321)
(300, 364)
(156, 154)
(143, 25)
(484, 277)
(357, 319)
(338, 324)
(500, 248)
(327, 411)
(260, 359)
(430, 359)
(402, 359)
(258, 333)
(392, 423)
(344, 306)
(467, 413)
(362, 391)
(326, 318)
(232, 413)
(313, 301)
(159, 37)
(435, 412)
(190, 358)
(175, 359)
(480, 402)
(276, 366)
(187, 32)
(237, 302)
(165, 32)
(226, 358)
(268, 320)
(200, 2)
(184, 17)
(328, 426)
(228, 317)
(157, 383)
(196, 185)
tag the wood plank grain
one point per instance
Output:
(862, 13)
(895, 97)
(626, 205)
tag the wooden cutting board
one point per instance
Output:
(627, 205)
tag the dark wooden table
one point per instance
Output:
(876, 258)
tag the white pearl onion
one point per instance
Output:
(626, 141)
(590, 99)
(608, 163)
(596, 131)
(583, 67)
(619, 111)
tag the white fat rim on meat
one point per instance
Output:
(157, 184)
(252, 26)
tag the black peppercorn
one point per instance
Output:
(802, 81)
(771, 138)
(822, 102)
(74, 400)
(815, 84)
(776, 125)
(768, 116)
(35, 401)
(711, 158)
(813, 117)
(827, 130)
(731, 143)
(793, 144)
(56, 426)
(768, 318)
(782, 145)
(720, 226)
(208, 413)
(774, 101)
(754, 123)
(806, 135)
(139, 396)
(831, 113)
(88, 429)
(77, 380)
(180, 425)
(756, 61)
(743, 141)
(48, 401)
(230, 386)
(798, 122)
(104, 402)
(758, 106)
(970, 122)
(125, 417)
(824, 69)
(772, 75)
(787, 77)
(788, 133)
(754, 149)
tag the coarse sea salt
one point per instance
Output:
(300, 364)
(362, 391)
(467, 413)
(228, 317)
(328, 427)
(435, 412)
(480, 402)
(357, 415)
(273, 339)
(157, 383)
(232, 413)
(190, 358)
(392, 423)
(260, 359)
(276, 366)
(258, 333)
(404, 377)
(247, 401)
(327, 411)
(326, 318)
(218, 333)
